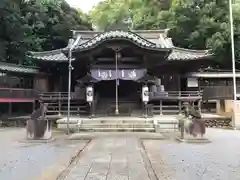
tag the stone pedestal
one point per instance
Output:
(39, 130)
(236, 115)
(184, 136)
(225, 107)
(190, 139)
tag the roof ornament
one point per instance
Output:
(128, 21)
(76, 42)
(196, 4)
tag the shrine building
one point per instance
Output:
(115, 67)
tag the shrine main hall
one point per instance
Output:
(115, 66)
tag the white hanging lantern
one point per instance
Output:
(89, 94)
(145, 94)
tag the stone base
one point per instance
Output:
(37, 140)
(190, 139)
(166, 127)
(38, 130)
(93, 135)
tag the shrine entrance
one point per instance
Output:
(124, 95)
(117, 90)
(126, 89)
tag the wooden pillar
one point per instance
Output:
(61, 84)
(93, 109)
(179, 82)
(9, 109)
(179, 106)
(160, 107)
(33, 106)
(199, 106)
(59, 104)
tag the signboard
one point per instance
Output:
(89, 94)
(111, 74)
(145, 94)
(192, 82)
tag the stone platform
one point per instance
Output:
(93, 135)
(118, 124)
(157, 123)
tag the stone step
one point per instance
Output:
(124, 125)
(118, 129)
(106, 128)
(117, 121)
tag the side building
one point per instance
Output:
(18, 89)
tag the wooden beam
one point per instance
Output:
(124, 59)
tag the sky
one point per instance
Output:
(85, 5)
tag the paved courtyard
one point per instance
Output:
(120, 157)
(125, 158)
(30, 161)
(111, 158)
(217, 160)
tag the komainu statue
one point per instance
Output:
(193, 123)
(38, 127)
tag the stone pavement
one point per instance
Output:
(30, 161)
(111, 158)
(121, 157)
(219, 159)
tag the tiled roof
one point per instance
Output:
(55, 55)
(188, 54)
(176, 54)
(7, 67)
(159, 42)
(163, 43)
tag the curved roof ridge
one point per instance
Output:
(55, 51)
(118, 34)
(192, 50)
(18, 65)
(136, 31)
(139, 36)
(18, 68)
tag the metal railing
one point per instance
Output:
(17, 93)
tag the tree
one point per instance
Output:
(205, 26)
(36, 25)
(145, 14)
(12, 45)
(194, 24)
(51, 22)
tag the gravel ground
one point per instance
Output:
(218, 160)
(25, 161)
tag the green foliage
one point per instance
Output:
(144, 13)
(36, 25)
(205, 26)
(194, 24)
(11, 32)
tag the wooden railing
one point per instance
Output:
(176, 95)
(17, 93)
(62, 108)
(218, 92)
(57, 96)
(54, 96)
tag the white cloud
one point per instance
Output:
(85, 5)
